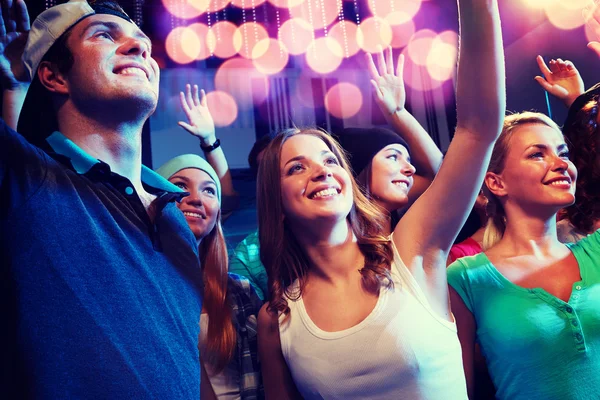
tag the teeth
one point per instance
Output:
(560, 182)
(325, 193)
(193, 215)
(402, 184)
(132, 71)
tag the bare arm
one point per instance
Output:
(277, 379)
(465, 323)
(14, 29)
(390, 95)
(201, 125)
(561, 79)
(426, 232)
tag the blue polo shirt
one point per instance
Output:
(97, 299)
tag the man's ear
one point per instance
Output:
(495, 184)
(52, 79)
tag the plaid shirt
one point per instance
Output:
(246, 304)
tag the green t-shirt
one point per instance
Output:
(246, 262)
(536, 346)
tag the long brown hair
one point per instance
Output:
(496, 223)
(280, 252)
(221, 337)
(583, 135)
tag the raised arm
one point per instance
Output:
(426, 232)
(390, 96)
(561, 79)
(14, 29)
(200, 124)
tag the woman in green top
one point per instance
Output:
(531, 302)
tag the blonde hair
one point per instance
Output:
(281, 254)
(496, 223)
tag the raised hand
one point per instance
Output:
(561, 79)
(200, 122)
(388, 86)
(591, 15)
(14, 29)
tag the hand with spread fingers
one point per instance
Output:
(14, 29)
(561, 79)
(388, 84)
(200, 122)
(591, 15)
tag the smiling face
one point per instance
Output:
(537, 171)
(201, 207)
(314, 186)
(391, 177)
(112, 63)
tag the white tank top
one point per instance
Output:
(226, 383)
(402, 350)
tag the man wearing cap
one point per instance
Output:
(101, 283)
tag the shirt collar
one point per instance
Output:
(82, 162)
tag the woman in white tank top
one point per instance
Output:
(354, 313)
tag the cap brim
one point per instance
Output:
(37, 119)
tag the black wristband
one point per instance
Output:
(208, 149)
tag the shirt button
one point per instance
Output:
(575, 322)
(568, 309)
(578, 287)
(578, 336)
(575, 296)
(129, 190)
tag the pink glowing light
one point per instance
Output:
(186, 9)
(319, 13)
(398, 11)
(269, 56)
(296, 34)
(343, 100)
(247, 36)
(220, 39)
(344, 32)
(183, 45)
(373, 34)
(324, 55)
(238, 77)
(419, 46)
(222, 107)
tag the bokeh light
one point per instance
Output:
(536, 4)
(319, 13)
(344, 32)
(401, 33)
(202, 33)
(373, 34)
(217, 5)
(186, 9)
(286, 3)
(183, 45)
(247, 4)
(343, 100)
(566, 14)
(222, 107)
(416, 76)
(419, 46)
(236, 76)
(296, 34)
(247, 36)
(220, 39)
(324, 55)
(269, 56)
(403, 10)
(441, 60)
